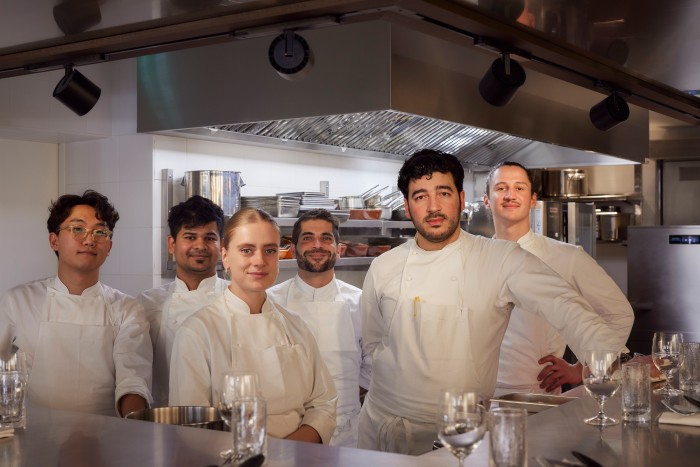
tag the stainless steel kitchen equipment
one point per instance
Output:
(194, 416)
(221, 186)
(564, 183)
(662, 265)
(570, 222)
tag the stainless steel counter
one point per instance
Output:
(55, 437)
(554, 433)
(62, 438)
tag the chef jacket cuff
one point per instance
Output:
(131, 387)
(322, 423)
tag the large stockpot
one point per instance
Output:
(221, 186)
(564, 183)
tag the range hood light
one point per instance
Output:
(501, 81)
(609, 112)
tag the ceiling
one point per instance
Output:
(646, 49)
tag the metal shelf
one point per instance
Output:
(344, 262)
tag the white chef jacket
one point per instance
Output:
(529, 337)
(21, 313)
(433, 319)
(339, 338)
(299, 390)
(167, 307)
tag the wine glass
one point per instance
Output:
(461, 422)
(665, 352)
(235, 386)
(602, 380)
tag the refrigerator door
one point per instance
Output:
(663, 282)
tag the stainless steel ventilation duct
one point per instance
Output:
(378, 88)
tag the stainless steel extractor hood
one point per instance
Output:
(384, 87)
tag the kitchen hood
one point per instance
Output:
(381, 87)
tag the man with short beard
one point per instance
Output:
(435, 309)
(331, 308)
(196, 227)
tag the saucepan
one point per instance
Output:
(195, 416)
(351, 202)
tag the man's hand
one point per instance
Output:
(305, 433)
(558, 372)
(131, 403)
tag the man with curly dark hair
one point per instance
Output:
(87, 344)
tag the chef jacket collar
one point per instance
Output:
(206, 284)
(239, 307)
(92, 291)
(528, 237)
(327, 293)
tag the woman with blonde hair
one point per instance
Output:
(245, 331)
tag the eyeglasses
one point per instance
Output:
(80, 233)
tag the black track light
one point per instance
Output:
(501, 81)
(609, 112)
(77, 92)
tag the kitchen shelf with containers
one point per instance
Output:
(364, 240)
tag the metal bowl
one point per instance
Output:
(200, 417)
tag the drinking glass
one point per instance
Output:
(665, 352)
(248, 427)
(601, 381)
(234, 386)
(461, 422)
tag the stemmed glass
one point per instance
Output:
(235, 386)
(461, 422)
(601, 381)
(665, 352)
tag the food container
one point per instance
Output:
(365, 214)
(533, 403)
(194, 416)
(377, 250)
(356, 249)
(286, 253)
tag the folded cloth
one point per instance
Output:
(6, 432)
(676, 419)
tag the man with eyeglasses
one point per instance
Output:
(196, 227)
(331, 308)
(87, 345)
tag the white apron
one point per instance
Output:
(429, 335)
(261, 344)
(73, 364)
(179, 307)
(332, 326)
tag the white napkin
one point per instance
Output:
(675, 419)
(6, 432)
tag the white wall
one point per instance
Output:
(120, 168)
(28, 184)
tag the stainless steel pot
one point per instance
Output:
(564, 183)
(351, 202)
(220, 186)
(195, 416)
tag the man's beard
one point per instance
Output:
(306, 265)
(436, 237)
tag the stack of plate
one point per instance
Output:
(312, 200)
(276, 206)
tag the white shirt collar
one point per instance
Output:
(309, 293)
(92, 291)
(205, 285)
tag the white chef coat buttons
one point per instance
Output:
(453, 278)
